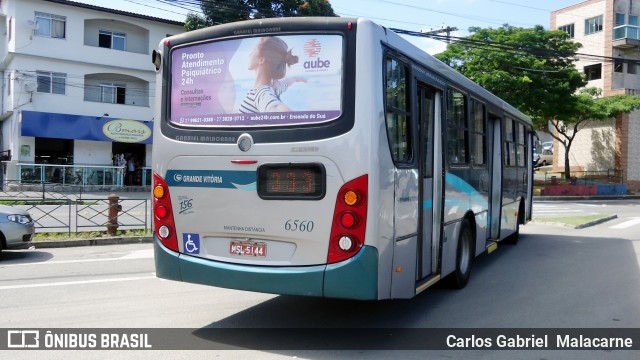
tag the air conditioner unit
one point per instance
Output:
(30, 86)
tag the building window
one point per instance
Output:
(112, 93)
(112, 40)
(569, 29)
(617, 65)
(593, 72)
(619, 19)
(51, 82)
(593, 25)
(48, 25)
(633, 20)
(632, 68)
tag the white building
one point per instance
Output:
(610, 30)
(77, 84)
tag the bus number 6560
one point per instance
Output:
(298, 225)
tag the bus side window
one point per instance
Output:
(479, 132)
(398, 119)
(458, 130)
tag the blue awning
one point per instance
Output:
(78, 127)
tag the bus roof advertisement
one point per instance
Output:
(259, 81)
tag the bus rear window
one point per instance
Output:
(258, 81)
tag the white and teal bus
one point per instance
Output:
(328, 157)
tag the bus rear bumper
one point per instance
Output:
(355, 278)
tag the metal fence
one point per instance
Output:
(80, 175)
(58, 208)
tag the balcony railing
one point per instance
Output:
(626, 32)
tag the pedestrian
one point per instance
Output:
(131, 169)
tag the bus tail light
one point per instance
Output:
(349, 220)
(163, 224)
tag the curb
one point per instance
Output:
(596, 222)
(595, 197)
(92, 242)
(579, 226)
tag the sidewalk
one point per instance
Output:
(45, 244)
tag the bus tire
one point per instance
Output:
(464, 257)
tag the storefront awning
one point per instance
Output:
(77, 127)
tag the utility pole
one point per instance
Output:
(447, 30)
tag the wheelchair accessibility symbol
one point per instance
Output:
(191, 243)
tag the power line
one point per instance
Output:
(513, 49)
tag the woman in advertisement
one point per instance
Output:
(270, 59)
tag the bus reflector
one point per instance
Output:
(161, 212)
(349, 220)
(163, 222)
(351, 198)
(345, 243)
(158, 192)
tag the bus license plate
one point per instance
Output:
(248, 248)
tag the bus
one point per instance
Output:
(328, 157)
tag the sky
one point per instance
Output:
(414, 15)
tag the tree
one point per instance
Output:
(224, 11)
(589, 106)
(530, 68)
(533, 70)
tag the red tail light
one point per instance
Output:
(163, 224)
(349, 220)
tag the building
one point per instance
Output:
(610, 30)
(77, 89)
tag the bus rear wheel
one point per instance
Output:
(464, 257)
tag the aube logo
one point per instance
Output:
(312, 47)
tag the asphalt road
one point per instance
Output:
(555, 277)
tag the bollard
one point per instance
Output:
(114, 208)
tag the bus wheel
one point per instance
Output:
(464, 257)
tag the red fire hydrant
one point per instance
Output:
(114, 208)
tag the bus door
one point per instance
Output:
(530, 144)
(428, 102)
(417, 242)
(495, 197)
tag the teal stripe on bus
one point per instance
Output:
(222, 179)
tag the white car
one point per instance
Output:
(546, 158)
(16, 228)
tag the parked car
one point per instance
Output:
(546, 158)
(547, 145)
(16, 228)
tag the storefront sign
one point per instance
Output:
(78, 127)
(129, 131)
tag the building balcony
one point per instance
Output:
(626, 36)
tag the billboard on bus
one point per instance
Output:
(257, 81)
